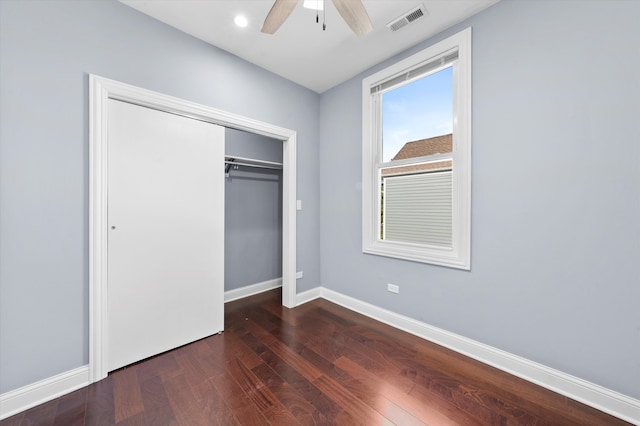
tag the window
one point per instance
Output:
(417, 156)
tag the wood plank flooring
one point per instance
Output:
(315, 364)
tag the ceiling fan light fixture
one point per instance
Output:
(313, 4)
(351, 11)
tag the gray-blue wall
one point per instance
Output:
(555, 200)
(47, 49)
(253, 213)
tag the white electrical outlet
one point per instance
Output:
(393, 288)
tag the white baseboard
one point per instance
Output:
(21, 399)
(308, 296)
(603, 399)
(250, 290)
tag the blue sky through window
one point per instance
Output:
(418, 110)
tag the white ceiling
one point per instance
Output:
(300, 51)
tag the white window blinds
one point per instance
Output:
(417, 72)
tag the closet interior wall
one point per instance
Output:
(253, 212)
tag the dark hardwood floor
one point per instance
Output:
(316, 364)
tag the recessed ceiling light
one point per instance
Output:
(241, 21)
(314, 4)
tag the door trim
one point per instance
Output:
(100, 91)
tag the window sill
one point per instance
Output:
(418, 253)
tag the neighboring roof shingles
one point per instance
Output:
(430, 146)
(421, 148)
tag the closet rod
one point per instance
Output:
(261, 166)
(230, 160)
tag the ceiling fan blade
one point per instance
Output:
(355, 15)
(279, 13)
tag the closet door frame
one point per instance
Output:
(100, 91)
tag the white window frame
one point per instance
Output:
(459, 255)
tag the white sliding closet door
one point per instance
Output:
(166, 232)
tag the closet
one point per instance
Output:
(157, 207)
(253, 213)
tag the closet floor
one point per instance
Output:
(316, 364)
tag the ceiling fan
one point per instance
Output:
(352, 11)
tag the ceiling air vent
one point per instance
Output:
(407, 18)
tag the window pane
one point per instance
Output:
(416, 111)
(415, 199)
